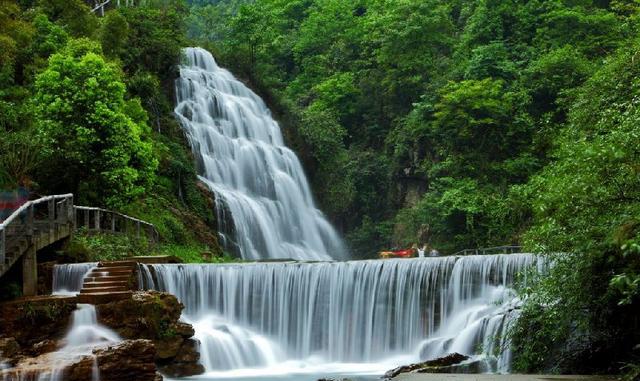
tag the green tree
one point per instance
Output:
(114, 33)
(586, 204)
(96, 142)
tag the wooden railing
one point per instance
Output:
(42, 213)
(103, 220)
(491, 250)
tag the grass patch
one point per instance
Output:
(85, 247)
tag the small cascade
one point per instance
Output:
(263, 200)
(68, 278)
(258, 315)
(225, 346)
(85, 335)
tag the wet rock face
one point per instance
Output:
(446, 364)
(149, 319)
(31, 321)
(185, 363)
(125, 361)
(154, 316)
(129, 360)
(146, 315)
(9, 348)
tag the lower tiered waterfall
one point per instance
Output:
(257, 315)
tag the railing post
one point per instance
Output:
(86, 219)
(52, 210)
(138, 229)
(113, 223)
(3, 242)
(97, 220)
(30, 221)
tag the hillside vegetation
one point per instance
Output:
(452, 123)
(86, 107)
(467, 124)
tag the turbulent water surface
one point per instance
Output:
(263, 200)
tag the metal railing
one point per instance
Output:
(58, 209)
(104, 220)
(490, 250)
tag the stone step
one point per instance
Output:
(104, 284)
(106, 278)
(103, 297)
(117, 264)
(112, 271)
(100, 290)
(115, 268)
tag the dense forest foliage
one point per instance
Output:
(465, 124)
(456, 124)
(86, 107)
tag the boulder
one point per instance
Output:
(128, 360)
(33, 320)
(154, 315)
(125, 361)
(44, 346)
(146, 315)
(185, 363)
(9, 349)
(439, 365)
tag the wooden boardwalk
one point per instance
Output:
(51, 219)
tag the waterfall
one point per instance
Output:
(263, 201)
(68, 278)
(348, 312)
(85, 335)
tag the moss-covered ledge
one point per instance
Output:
(155, 316)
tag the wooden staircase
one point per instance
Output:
(109, 280)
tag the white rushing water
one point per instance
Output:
(85, 335)
(263, 200)
(68, 278)
(375, 313)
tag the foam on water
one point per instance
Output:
(365, 315)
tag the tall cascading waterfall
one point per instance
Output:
(241, 156)
(261, 315)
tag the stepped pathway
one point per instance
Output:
(109, 280)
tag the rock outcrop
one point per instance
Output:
(31, 329)
(154, 316)
(31, 321)
(9, 349)
(125, 361)
(439, 365)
